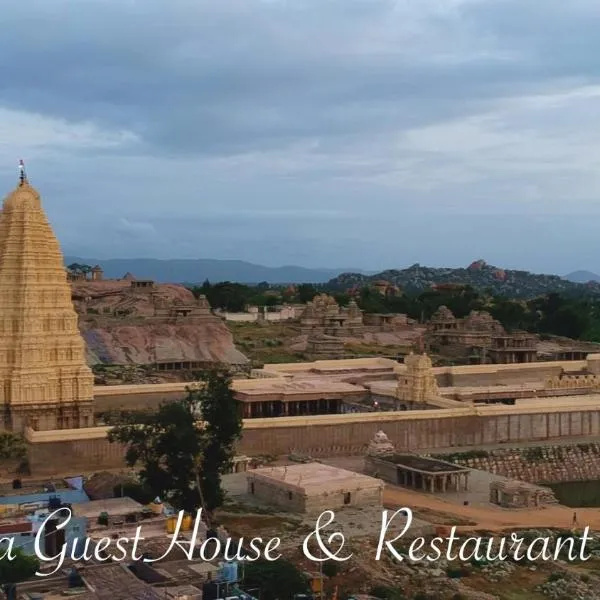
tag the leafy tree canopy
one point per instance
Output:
(276, 580)
(19, 569)
(181, 460)
(576, 316)
(12, 446)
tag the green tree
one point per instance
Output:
(21, 568)
(569, 321)
(221, 413)
(229, 296)
(77, 268)
(342, 298)
(279, 579)
(180, 460)
(372, 301)
(512, 314)
(306, 292)
(12, 446)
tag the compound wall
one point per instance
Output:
(319, 436)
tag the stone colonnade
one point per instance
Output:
(433, 482)
(293, 408)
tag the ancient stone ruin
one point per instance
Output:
(482, 336)
(323, 315)
(519, 494)
(380, 445)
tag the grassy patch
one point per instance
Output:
(266, 342)
(519, 585)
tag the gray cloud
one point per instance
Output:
(308, 125)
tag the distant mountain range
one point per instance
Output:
(582, 277)
(198, 270)
(479, 275)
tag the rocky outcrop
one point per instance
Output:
(148, 343)
(123, 324)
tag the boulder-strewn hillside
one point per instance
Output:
(121, 326)
(479, 275)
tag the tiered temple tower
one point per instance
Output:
(45, 382)
(418, 383)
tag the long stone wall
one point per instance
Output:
(425, 430)
(135, 402)
(60, 451)
(492, 375)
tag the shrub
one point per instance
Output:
(330, 568)
(456, 572)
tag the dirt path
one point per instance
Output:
(492, 519)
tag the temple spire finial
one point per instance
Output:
(22, 174)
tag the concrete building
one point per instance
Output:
(23, 503)
(116, 511)
(314, 487)
(22, 516)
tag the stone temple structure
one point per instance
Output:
(380, 445)
(323, 315)
(417, 384)
(46, 388)
(45, 382)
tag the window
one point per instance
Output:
(252, 488)
(347, 498)
(290, 496)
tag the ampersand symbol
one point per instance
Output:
(337, 536)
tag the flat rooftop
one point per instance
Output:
(66, 495)
(279, 389)
(115, 582)
(313, 478)
(423, 464)
(112, 506)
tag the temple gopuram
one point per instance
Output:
(45, 382)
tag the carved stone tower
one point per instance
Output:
(44, 379)
(418, 383)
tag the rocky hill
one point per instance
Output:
(479, 275)
(582, 276)
(124, 325)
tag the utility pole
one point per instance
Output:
(321, 578)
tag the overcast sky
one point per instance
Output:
(338, 133)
